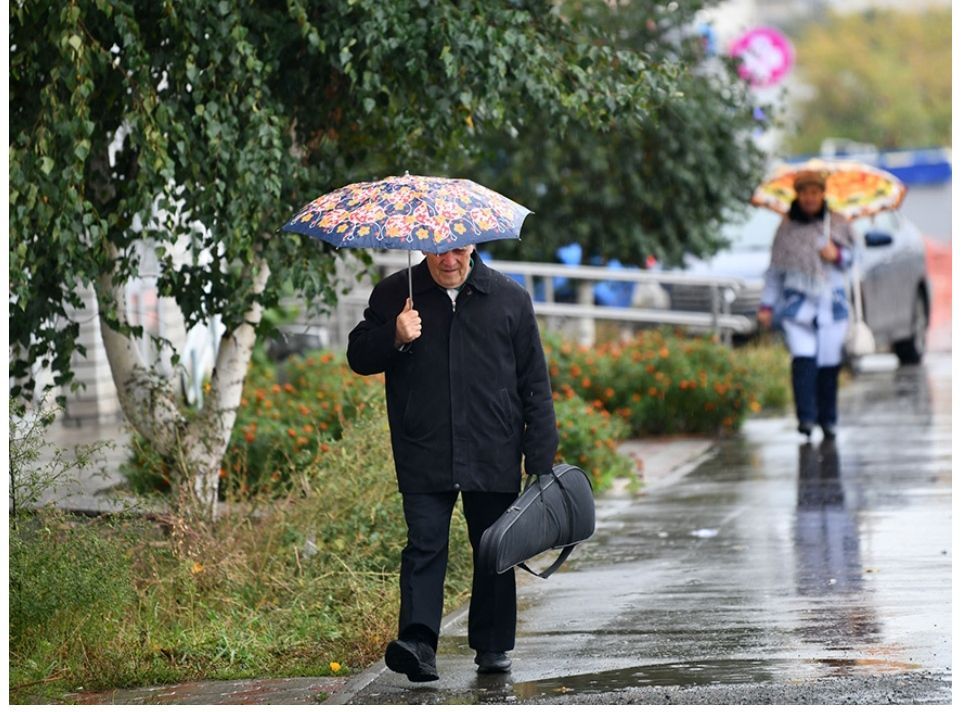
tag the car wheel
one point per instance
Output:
(912, 349)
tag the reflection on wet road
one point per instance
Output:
(773, 563)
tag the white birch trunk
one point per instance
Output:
(206, 444)
(152, 406)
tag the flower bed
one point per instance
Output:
(658, 382)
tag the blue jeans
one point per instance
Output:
(816, 391)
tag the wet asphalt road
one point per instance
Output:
(773, 572)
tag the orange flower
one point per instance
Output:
(308, 428)
(325, 447)
(304, 410)
(288, 387)
(575, 370)
(650, 368)
(609, 392)
(635, 397)
(292, 432)
(653, 391)
(663, 352)
(276, 388)
(196, 568)
(249, 436)
(586, 382)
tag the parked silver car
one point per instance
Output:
(896, 293)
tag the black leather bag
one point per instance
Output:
(555, 511)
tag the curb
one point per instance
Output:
(369, 675)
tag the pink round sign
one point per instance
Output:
(766, 56)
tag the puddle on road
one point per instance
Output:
(701, 673)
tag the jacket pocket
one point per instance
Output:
(792, 302)
(418, 421)
(503, 412)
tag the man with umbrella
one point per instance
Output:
(468, 396)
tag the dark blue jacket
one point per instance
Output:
(471, 395)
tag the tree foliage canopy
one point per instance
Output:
(879, 77)
(626, 190)
(206, 124)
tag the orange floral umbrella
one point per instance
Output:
(852, 189)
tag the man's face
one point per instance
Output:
(450, 269)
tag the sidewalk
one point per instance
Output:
(660, 462)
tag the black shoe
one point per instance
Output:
(805, 428)
(414, 659)
(492, 662)
(828, 431)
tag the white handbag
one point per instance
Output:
(859, 341)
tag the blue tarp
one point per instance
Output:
(611, 294)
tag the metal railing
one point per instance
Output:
(719, 320)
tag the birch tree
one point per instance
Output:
(161, 123)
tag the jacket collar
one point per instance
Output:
(479, 277)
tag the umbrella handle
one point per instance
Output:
(410, 284)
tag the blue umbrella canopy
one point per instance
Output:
(410, 213)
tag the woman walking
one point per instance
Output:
(805, 291)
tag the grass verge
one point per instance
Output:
(281, 588)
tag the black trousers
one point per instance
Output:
(492, 616)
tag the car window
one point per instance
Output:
(881, 222)
(753, 233)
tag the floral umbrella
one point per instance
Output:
(410, 213)
(852, 189)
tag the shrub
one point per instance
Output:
(289, 416)
(658, 382)
(769, 364)
(588, 438)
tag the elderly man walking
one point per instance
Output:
(468, 396)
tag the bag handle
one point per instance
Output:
(554, 566)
